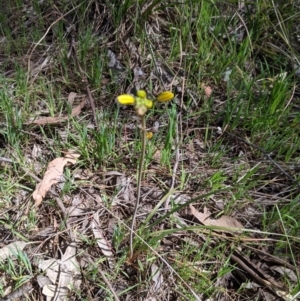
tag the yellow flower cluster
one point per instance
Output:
(141, 103)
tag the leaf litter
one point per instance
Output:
(85, 215)
(11, 249)
(101, 240)
(155, 291)
(229, 224)
(53, 175)
(223, 221)
(64, 274)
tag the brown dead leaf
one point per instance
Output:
(223, 221)
(76, 111)
(71, 97)
(52, 120)
(48, 120)
(102, 242)
(52, 176)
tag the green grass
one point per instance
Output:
(217, 151)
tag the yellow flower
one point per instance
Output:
(141, 102)
(165, 96)
(126, 99)
(149, 135)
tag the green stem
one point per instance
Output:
(139, 181)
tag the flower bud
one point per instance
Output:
(126, 99)
(141, 93)
(165, 96)
(148, 103)
(149, 135)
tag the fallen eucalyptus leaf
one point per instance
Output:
(223, 221)
(53, 175)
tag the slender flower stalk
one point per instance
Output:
(139, 182)
(141, 105)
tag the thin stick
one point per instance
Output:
(139, 181)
